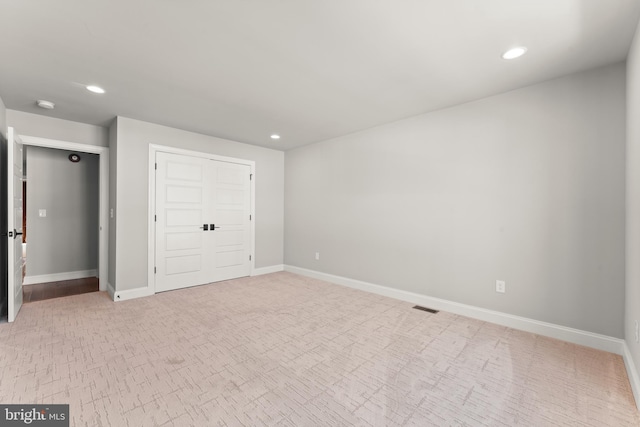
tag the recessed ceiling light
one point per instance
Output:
(514, 53)
(274, 136)
(45, 104)
(95, 89)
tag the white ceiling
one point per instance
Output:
(309, 70)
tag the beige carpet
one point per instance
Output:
(286, 350)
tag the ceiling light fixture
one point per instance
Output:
(48, 105)
(95, 89)
(514, 53)
(274, 136)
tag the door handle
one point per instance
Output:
(213, 227)
(15, 233)
(204, 227)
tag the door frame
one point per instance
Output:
(103, 201)
(151, 251)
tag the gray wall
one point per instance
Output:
(66, 239)
(52, 128)
(132, 192)
(3, 119)
(632, 298)
(526, 187)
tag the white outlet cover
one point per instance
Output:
(501, 286)
(42, 213)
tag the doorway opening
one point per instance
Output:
(73, 153)
(60, 222)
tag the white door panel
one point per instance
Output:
(228, 217)
(230, 238)
(183, 264)
(230, 197)
(180, 243)
(229, 173)
(14, 223)
(184, 217)
(232, 204)
(182, 170)
(183, 194)
(183, 241)
(230, 259)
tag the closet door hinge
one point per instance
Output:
(249, 257)
(155, 218)
(250, 176)
(249, 217)
(155, 270)
(156, 166)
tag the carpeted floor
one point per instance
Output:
(286, 350)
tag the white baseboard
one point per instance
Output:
(145, 292)
(56, 277)
(132, 293)
(632, 373)
(576, 336)
(267, 270)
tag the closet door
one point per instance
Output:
(203, 231)
(231, 205)
(181, 208)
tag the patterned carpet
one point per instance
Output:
(287, 350)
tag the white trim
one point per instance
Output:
(131, 294)
(151, 230)
(103, 205)
(151, 247)
(267, 270)
(576, 336)
(111, 291)
(252, 209)
(632, 373)
(56, 277)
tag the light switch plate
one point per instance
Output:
(42, 213)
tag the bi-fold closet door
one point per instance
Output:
(202, 221)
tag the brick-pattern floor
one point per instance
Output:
(286, 350)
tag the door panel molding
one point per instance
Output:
(151, 244)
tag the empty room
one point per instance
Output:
(320, 213)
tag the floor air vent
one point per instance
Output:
(430, 310)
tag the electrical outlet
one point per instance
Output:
(637, 332)
(42, 213)
(501, 286)
(317, 256)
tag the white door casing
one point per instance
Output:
(14, 223)
(202, 220)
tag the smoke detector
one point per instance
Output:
(48, 105)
